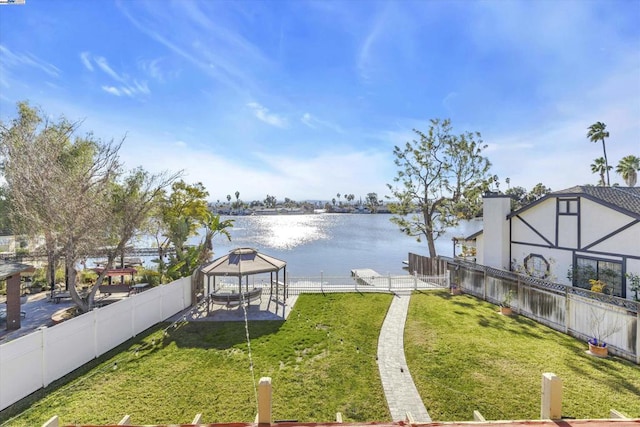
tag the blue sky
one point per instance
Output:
(306, 99)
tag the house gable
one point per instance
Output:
(607, 230)
(533, 226)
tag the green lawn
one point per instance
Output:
(464, 356)
(321, 361)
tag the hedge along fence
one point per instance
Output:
(36, 360)
(574, 311)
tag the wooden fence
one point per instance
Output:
(425, 266)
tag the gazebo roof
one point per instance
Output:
(242, 262)
(8, 269)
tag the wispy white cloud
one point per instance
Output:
(263, 114)
(127, 86)
(112, 90)
(104, 66)
(365, 54)
(85, 57)
(9, 59)
(153, 69)
(314, 122)
(213, 45)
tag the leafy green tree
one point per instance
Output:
(372, 202)
(213, 226)
(518, 196)
(628, 168)
(67, 188)
(179, 217)
(599, 166)
(133, 201)
(440, 177)
(270, 201)
(537, 192)
(5, 226)
(596, 132)
(58, 184)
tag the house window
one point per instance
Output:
(610, 272)
(568, 206)
(536, 266)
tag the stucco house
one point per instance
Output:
(568, 236)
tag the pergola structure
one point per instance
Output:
(244, 262)
(10, 271)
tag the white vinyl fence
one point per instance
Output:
(36, 360)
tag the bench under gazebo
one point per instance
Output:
(242, 262)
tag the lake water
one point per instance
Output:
(333, 244)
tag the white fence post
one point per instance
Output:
(43, 333)
(551, 405)
(52, 422)
(389, 275)
(519, 291)
(321, 283)
(484, 286)
(96, 351)
(638, 339)
(415, 280)
(264, 401)
(567, 310)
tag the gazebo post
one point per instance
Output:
(277, 291)
(11, 272)
(13, 302)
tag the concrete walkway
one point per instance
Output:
(402, 395)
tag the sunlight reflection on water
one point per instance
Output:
(329, 243)
(288, 232)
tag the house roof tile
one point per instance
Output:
(623, 198)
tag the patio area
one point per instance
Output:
(267, 308)
(38, 311)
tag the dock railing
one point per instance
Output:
(359, 281)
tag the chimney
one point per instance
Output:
(495, 234)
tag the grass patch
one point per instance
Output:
(321, 361)
(464, 356)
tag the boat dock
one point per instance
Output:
(367, 277)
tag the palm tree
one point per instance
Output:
(599, 165)
(213, 226)
(596, 133)
(628, 168)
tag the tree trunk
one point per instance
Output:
(606, 162)
(73, 291)
(429, 234)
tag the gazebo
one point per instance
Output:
(243, 262)
(10, 271)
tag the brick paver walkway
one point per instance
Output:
(402, 395)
